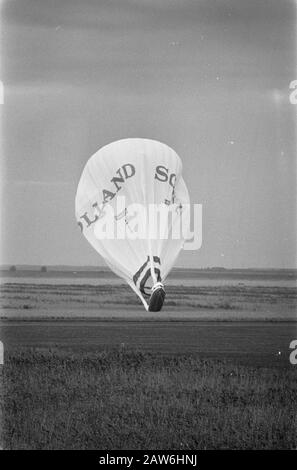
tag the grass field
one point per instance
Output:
(124, 399)
(86, 367)
(224, 301)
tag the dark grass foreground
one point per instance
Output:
(129, 400)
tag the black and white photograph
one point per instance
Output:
(148, 255)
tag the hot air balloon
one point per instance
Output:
(120, 176)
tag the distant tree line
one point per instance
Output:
(13, 268)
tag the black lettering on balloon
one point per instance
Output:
(172, 179)
(86, 218)
(115, 180)
(107, 195)
(161, 173)
(100, 211)
(126, 172)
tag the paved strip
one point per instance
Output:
(253, 342)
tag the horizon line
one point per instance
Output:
(91, 267)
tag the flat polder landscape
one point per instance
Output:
(85, 366)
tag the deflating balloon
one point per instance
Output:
(120, 188)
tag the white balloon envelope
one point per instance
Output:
(132, 206)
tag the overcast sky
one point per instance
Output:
(209, 78)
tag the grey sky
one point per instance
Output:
(209, 78)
